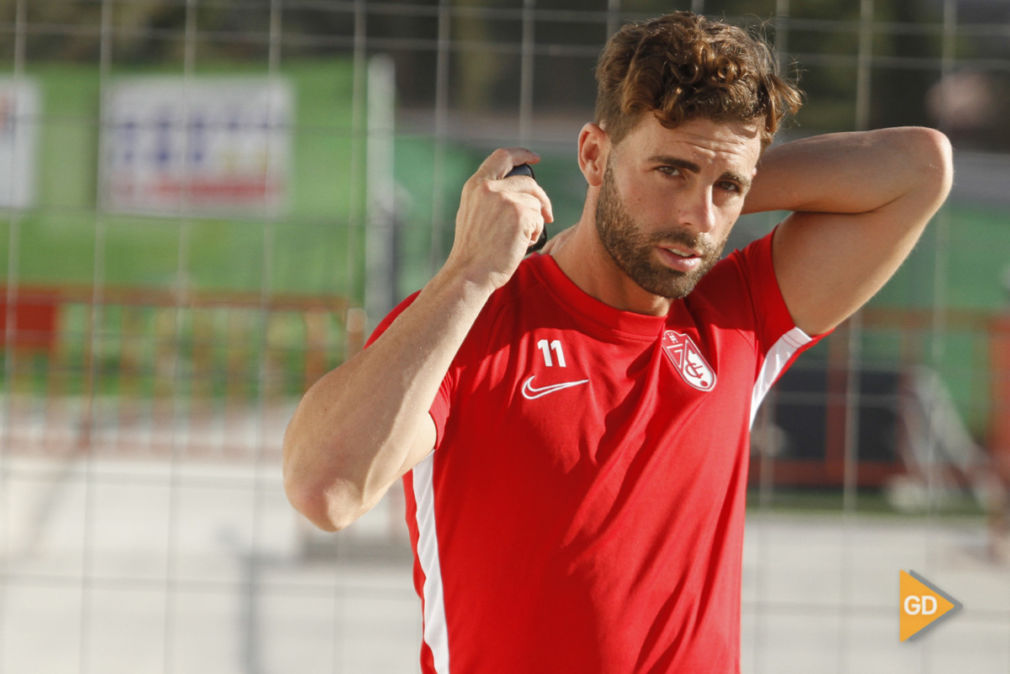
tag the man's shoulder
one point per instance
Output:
(524, 290)
(740, 291)
(521, 297)
(530, 276)
(740, 269)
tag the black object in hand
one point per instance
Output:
(527, 170)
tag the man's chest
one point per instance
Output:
(561, 400)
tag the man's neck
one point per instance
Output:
(583, 258)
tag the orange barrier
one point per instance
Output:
(131, 370)
(999, 430)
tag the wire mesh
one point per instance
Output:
(153, 354)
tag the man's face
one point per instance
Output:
(670, 197)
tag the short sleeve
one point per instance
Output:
(772, 319)
(778, 340)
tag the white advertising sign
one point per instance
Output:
(197, 146)
(20, 111)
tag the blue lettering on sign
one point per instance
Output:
(197, 139)
(128, 140)
(170, 140)
(163, 142)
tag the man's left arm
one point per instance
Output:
(859, 202)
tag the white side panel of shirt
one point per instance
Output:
(436, 633)
(775, 361)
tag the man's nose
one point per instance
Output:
(698, 212)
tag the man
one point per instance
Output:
(572, 428)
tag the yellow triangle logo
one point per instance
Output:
(922, 604)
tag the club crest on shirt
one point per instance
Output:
(688, 361)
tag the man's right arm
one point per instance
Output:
(363, 425)
(366, 423)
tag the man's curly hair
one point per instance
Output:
(682, 66)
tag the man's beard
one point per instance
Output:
(633, 251)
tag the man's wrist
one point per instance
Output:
(461, 286)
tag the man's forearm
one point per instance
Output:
(854, 172)
(356, 428)
(363, 425)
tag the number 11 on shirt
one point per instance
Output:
(548, 347)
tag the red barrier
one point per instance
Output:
(29, 319)
(150, 371)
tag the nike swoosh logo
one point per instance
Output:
(531, 393)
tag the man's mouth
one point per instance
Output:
(681, 252)
(680, 259)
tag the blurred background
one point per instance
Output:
(205, 205)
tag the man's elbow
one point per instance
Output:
(330, 507)
(934, 161)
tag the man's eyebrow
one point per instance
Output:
(736, 178)
(668, 160)
(675, 161)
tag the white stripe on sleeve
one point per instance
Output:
(436, 633)
(775, 362)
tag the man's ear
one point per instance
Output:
(594, 147)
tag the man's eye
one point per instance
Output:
(669, 170)
(729, 186)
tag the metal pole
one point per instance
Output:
(441, 132)
(526, 74)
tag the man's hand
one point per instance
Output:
(498, 219)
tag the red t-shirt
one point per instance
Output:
(583, 510)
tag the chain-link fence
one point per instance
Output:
(206, 204)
